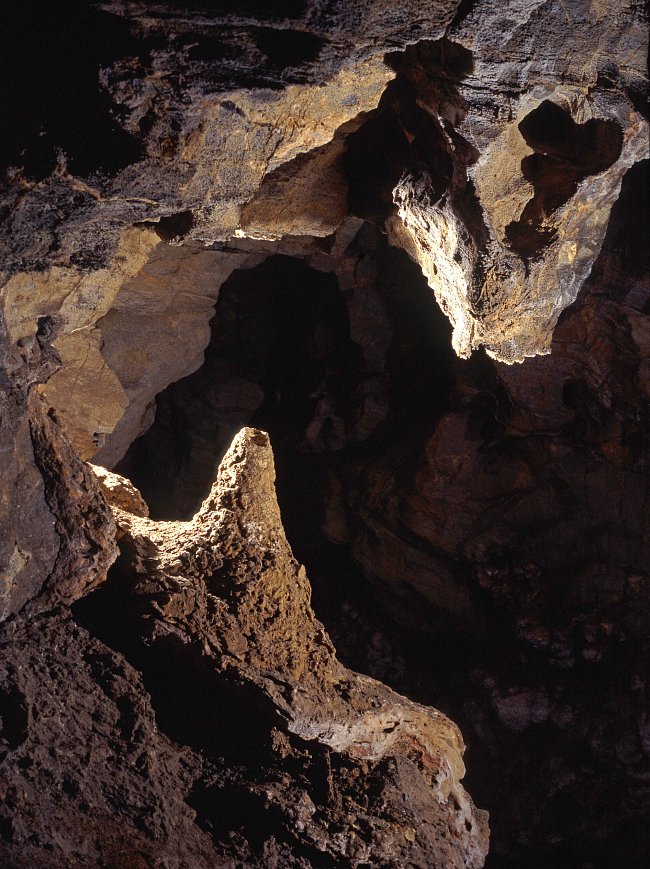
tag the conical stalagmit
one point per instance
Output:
(227, 585)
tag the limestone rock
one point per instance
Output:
(535, 163)
(496, 512)
(85, 774)
(82, 520)
(504, 223)
(47, 551)
(120, 492)
(227, 586)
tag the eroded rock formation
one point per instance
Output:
(503, 172)
(224, 596)
(215, 216)
(226, 589)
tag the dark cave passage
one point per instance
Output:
(280, 350)
(283, 357)
(363, 411)
(475, 535)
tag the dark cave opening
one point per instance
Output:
(51, 103)
(282, 357)
(287, 48)
(175, 226)
(280, 347)
(290, 353)
(565, 154)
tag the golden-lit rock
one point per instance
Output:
(227, 584)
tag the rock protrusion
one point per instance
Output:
(227, 585)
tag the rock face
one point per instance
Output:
(86, 775)
(534, 160)
(226, 590)
(46, 550)
(496, 175)
(218, 215)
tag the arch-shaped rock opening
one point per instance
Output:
(324, 371)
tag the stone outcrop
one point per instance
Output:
(86, 776)
(490, 533)
(226, 588)
(503, 173)
(537, 152)
(47, 551)
(85, 773)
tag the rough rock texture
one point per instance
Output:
(28, 543)
(226, 587)
(497, 515)
(476, 532)
(57, 532)
(536, 154)
(503, 172)
(120, 492)
(86, 777)
(332, 766)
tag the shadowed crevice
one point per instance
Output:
(52, 106)
(565, 154)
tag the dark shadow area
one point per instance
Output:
(407, 139)
(175, 227)
(565, 154)
(51, 101)
(287, 48)
(373, 164)
(237, 54)
(626, 267)
(13, 718)
(193, 707)
(256, 9)
(280, 345)
(463, 11)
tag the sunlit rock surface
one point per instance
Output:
(226, 589)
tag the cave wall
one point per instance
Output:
(410, 242)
